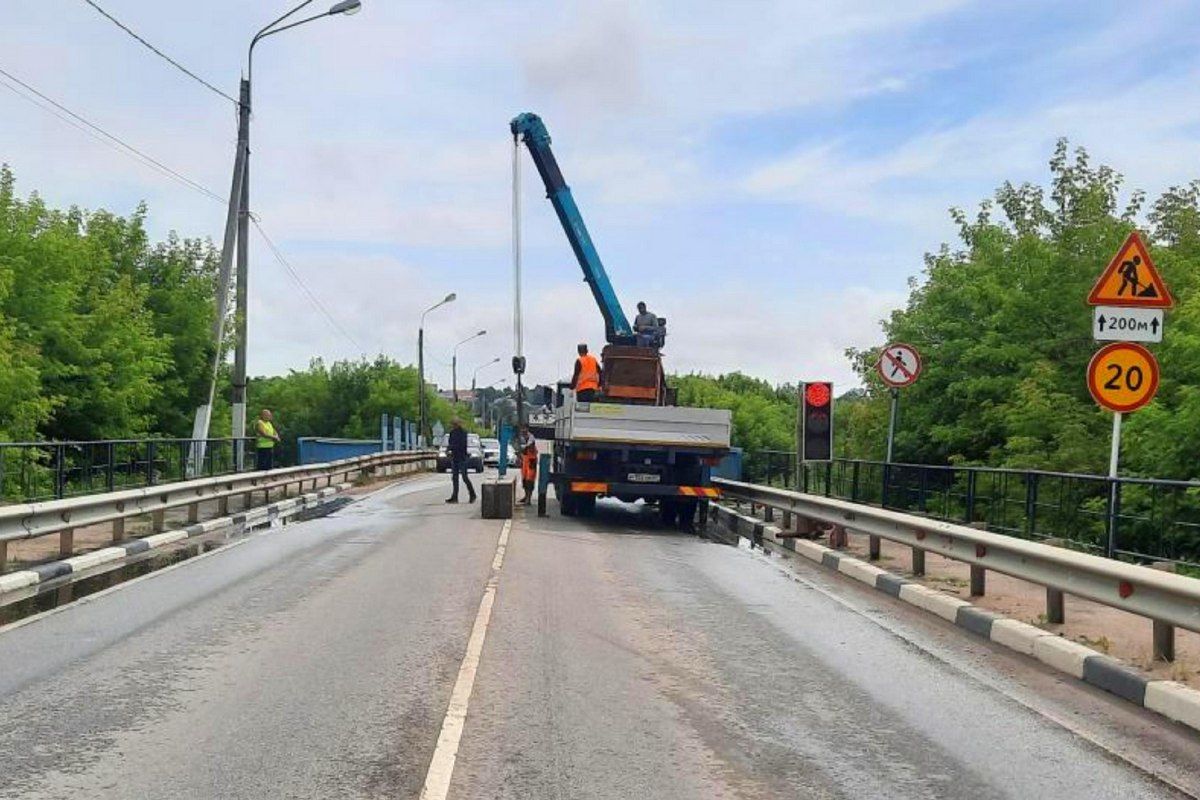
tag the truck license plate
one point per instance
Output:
(644, 477)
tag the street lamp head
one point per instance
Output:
(482, 333)
(450, 298)
(346, 7)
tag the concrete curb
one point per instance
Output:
(1169, 698)
(283, 509)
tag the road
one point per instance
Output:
(618, 661)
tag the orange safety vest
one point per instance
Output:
(529, 465)
(589, 373)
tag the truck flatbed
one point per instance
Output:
(643, 426)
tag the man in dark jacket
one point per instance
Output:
(457, 445)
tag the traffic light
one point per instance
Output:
(817, 402)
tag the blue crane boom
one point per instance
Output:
(532, 130)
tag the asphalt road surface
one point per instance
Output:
(617, 661)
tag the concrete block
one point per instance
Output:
(169, 537)
(977, 620)
(1062, 654)
(1172, 700)
(55, 569)
(890, 584)
(95, 558)
(859, 571)
(811, 550)
(943, 605)
(498, 498)
(134, 547)
(1116, 677)
(18, 580)
(1017, 635)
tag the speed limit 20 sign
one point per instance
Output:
(1123, 376)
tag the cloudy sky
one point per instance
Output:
(767, 175)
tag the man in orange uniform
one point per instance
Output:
(527, 450)
(586, 380)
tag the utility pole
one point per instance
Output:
(238, 399)
(239, 201)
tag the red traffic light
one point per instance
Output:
(818, 395)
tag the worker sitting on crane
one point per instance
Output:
(648, 327)
(586, 380)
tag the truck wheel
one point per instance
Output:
(585, 505)
(566, 504)
(667, 511)
(687, 516)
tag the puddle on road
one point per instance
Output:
(74, 587)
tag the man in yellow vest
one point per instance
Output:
(586, 380)
(267, 436)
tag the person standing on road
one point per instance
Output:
(268, 437)
(459, 463)
(586, 380)
(527, 451)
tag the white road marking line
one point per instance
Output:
(441, 767)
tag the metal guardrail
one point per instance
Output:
(32, 520)
(1169, 600)
(1144, 519)
(34, 471)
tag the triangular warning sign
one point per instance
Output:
(1130, 279)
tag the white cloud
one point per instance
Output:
(387, 133)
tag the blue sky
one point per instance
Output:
(767, 175)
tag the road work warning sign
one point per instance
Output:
(1131, 280)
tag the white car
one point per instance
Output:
(491, 452)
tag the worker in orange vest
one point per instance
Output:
(586, 380)
(526, 447)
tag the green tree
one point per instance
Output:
(1005, 333)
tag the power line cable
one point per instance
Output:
(95, 131)
(291, 271)
(84, 125)
(158, 52)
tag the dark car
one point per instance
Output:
(474, 453)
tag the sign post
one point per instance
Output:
(892, 422)
(1114, 457)
(898, 366)
(1129, 298)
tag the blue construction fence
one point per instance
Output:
(395, 433)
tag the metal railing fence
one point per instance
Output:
(36, 471)
(1140, 519)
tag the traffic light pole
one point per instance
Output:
(799, 437)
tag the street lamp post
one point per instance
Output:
(489, 408)
(475, 374)
(421, 403)
(474, 395)
(454, 363)
(242, 162)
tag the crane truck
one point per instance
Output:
(633, 442)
